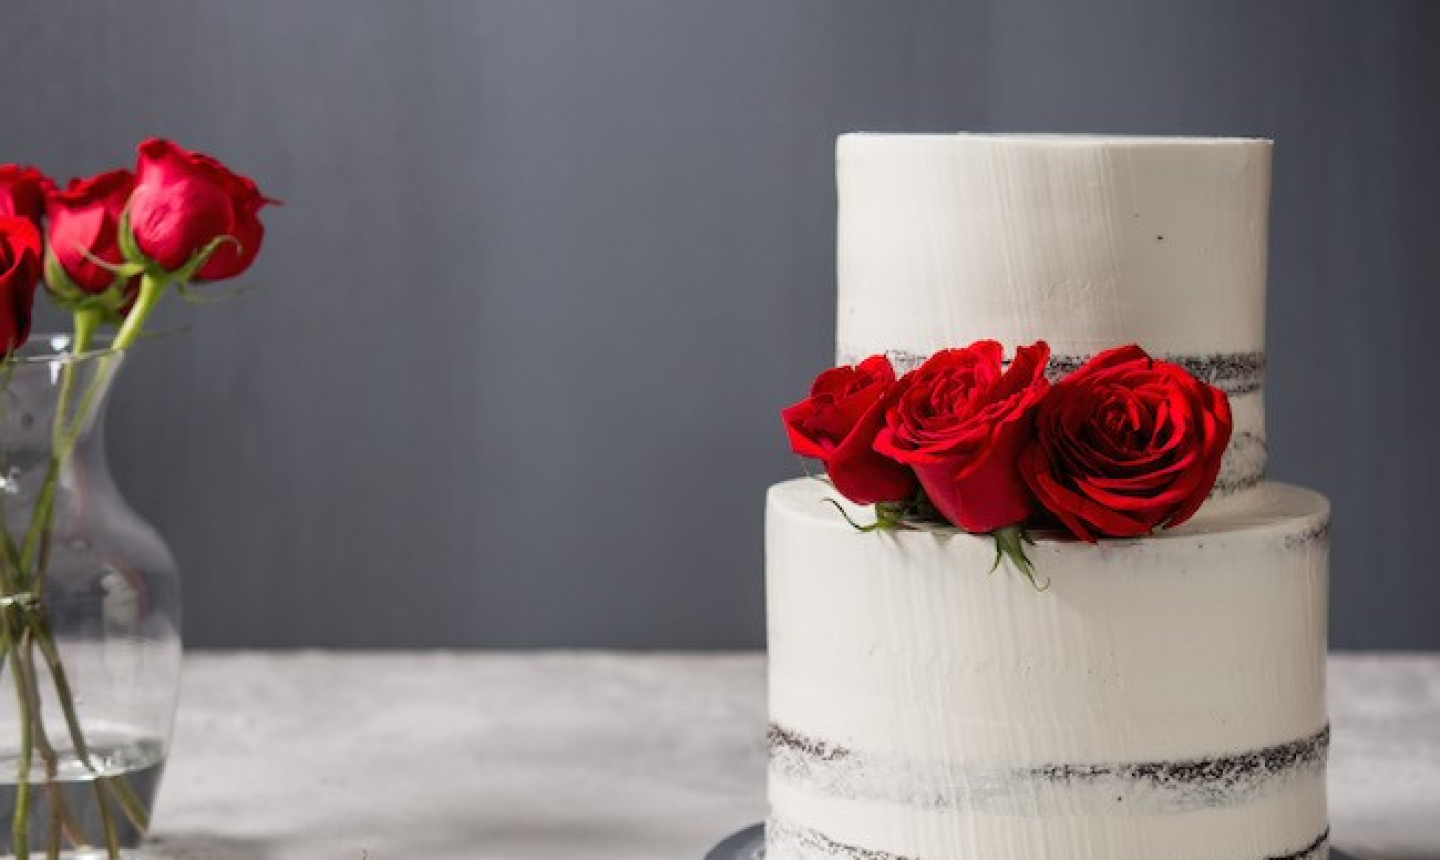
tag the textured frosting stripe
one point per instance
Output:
(1243, 466)
(1317, 534)
(828, 769)
(798, 843)
(1234, 373)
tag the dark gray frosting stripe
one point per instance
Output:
(1234, 373)
(833, 770)
(1243, 466)
(800, 843)
(1317, 535)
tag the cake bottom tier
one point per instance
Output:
(1161, 699)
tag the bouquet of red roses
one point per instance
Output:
(1121, 446)
(107, 248)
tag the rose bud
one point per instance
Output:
(184, 201)
(23, 191)
(1126, 444)
(20, 266)
(837, 424)
(84, 224)
(960, 420)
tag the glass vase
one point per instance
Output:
(89, 620)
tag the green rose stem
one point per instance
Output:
(20, 825)
(61, 817)
(86, 320)
(26, 621)
(135, 810)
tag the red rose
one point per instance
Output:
(1126, 444)
(84, 224)
(960, 421)
(20, 265)
(22, 192)
(837, 423)
(185, 200)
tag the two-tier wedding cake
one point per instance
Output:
(1163, 698)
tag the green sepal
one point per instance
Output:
(186, 273)
(70, 297)
(888, 516)
(187, 292)
(121, 271)
(58, 283)
(895, 514)
(1010, 546)
(129, 247)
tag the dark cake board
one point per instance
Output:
(749, 844)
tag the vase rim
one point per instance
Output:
(45, 348)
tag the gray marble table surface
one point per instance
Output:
(596, 756)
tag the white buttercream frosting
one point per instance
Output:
(1163, 698)
(1086, 242)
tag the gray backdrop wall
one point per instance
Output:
(546, 272)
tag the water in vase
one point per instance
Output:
(126, 775)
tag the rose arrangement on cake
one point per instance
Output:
(1119, 447)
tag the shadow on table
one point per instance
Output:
(205, 846)
(530, 836)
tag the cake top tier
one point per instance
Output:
(1083, 241)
